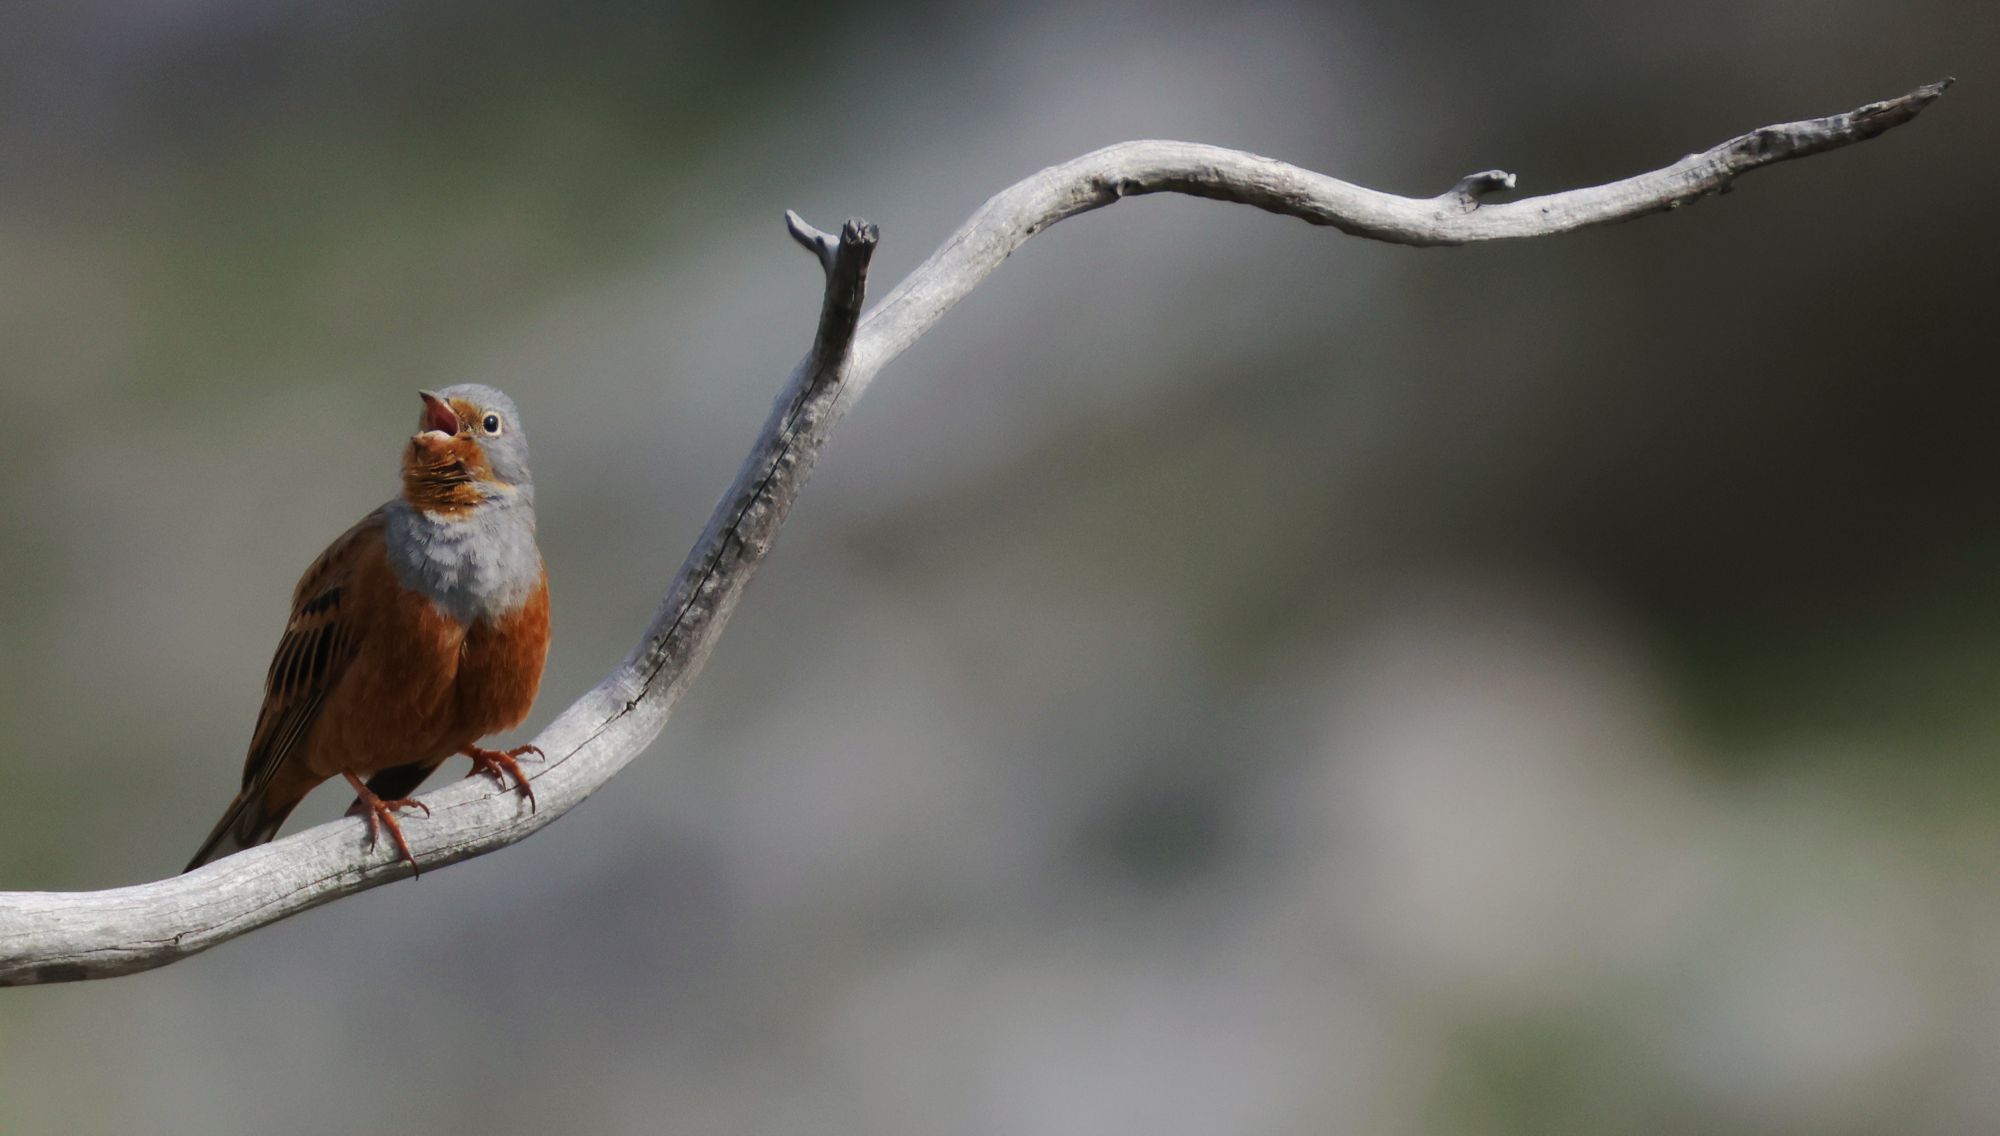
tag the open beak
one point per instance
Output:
(438, 415)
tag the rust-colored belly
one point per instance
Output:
(500, 669)
(422, 686)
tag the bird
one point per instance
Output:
(419, 631)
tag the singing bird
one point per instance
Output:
(418, 632)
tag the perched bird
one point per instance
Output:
(418, 632)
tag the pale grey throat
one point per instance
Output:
(481, 565)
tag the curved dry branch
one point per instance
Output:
(60, 936)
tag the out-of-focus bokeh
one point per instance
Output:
(1230, 677)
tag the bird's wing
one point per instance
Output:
(320, 640)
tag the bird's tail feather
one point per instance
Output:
(251, 819)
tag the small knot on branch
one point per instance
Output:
(1472, 187)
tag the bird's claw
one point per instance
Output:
(502, 764)
(382, 814)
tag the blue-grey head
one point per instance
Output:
(469, 449)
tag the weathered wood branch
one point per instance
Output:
(59, 936)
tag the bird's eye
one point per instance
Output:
(492, 424)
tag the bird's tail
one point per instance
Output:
(251, 819)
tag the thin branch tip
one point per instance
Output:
(1882, 115)
(822, 245)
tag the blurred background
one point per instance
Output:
(1230, 677)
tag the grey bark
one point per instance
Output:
(60, 936)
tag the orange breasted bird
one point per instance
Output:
(418, 632)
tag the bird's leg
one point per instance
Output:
(384, 812)
(502, 764)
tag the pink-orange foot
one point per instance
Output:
(502, 764)
(384, 813)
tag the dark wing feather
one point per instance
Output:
(320, 640)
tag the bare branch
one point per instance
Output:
(1456, 217)
(60, 936)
